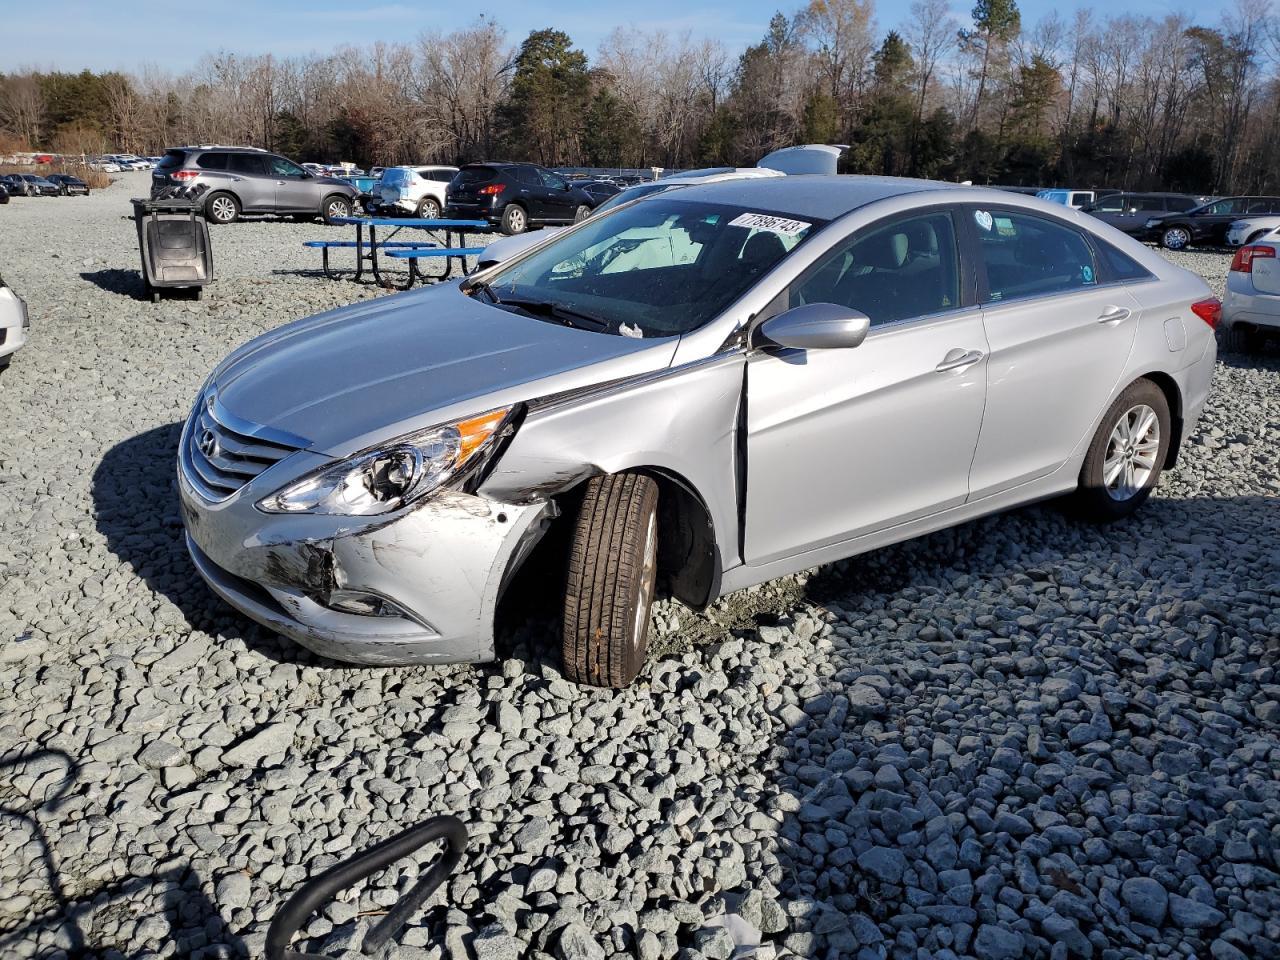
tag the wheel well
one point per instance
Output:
(1173, 396)
(688, 562)
(337, 193)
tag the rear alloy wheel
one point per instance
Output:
(613, 564)
(335, 207)
(1175, 238)
(222, 208)
(428, 209)
(581, 213)
(1126, 456)
(514, 220)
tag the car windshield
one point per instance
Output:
(655, 269)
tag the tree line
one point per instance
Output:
(1087, 99)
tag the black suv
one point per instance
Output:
(1207, 224)
(516, 196)
(248, 180)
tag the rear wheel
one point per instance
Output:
(222, 208)
(514, 220)
(1238, 338)
(335, 207)
(609, 587)
(1175, 238)
(1124, 460)
(428, 209)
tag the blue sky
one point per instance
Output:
(124, 34)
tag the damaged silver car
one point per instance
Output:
(706, 389)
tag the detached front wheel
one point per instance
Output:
(613, 564)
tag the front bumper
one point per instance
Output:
(444, 562)
(15, 321)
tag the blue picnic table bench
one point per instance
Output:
(366, 250)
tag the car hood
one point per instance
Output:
(365, 373)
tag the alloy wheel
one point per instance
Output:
(1176, 238)
(1132, 450)
(223, 209)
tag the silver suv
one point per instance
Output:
(249, 180)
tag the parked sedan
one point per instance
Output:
(30, 185)
(1130, 211)
(1207, 224)
(68, 185)
(831, 365)
(1251, 309)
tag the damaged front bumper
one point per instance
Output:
(439, 567)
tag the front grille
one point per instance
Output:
(223, 453)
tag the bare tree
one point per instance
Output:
(22, 107)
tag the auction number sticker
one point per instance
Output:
(763, 221)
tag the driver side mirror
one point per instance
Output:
(817, 326)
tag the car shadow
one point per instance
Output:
(135, 500)
(64, 911)
(878, 845)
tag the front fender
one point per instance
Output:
(681, 421)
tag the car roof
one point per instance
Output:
(809, 195)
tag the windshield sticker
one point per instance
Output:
(762, 221)
(983, 219)
(1004, 227)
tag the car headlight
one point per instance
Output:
(393, 474)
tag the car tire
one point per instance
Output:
(514, 220)
(1123, 463)
(1238, 339)
(609, 586)
(581, 213)
(222, 208)
(428, 209)
(1175, 238)
(335, 206)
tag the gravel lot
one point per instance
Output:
(1019, 738)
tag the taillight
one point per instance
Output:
(185, 174)
(492, 190)
(1242, 262)
(1210, 311)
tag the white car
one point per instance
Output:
(416, 190)
(810, 158)
(1251, 229)
(1075, 199)
(14, 323)
(1251, 308)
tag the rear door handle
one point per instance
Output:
(1114, 315)
(958, 359)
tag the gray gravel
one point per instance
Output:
(1019, 738)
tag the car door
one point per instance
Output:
(844, 442)
(251, 182)
(558, 200)
(1059, 341)
(295, 189)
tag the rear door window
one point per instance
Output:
(247, 163)
(1031, 256)
(1080, 199)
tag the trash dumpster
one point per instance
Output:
(173, 240)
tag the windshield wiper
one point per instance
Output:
(554, 311)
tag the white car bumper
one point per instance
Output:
(14, 324)
(1251, 307)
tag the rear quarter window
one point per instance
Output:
(475, 175)
(212, 161)
(172, 159)
(1116, 265)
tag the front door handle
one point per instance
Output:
(958, 359)
(1114, 315)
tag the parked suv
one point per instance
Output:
(1130, 211)
(1207, 224)
(416, 190)
(516, 196)
(248, 180)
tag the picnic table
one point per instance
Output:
(367, 250)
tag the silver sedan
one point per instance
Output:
(703, 390)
